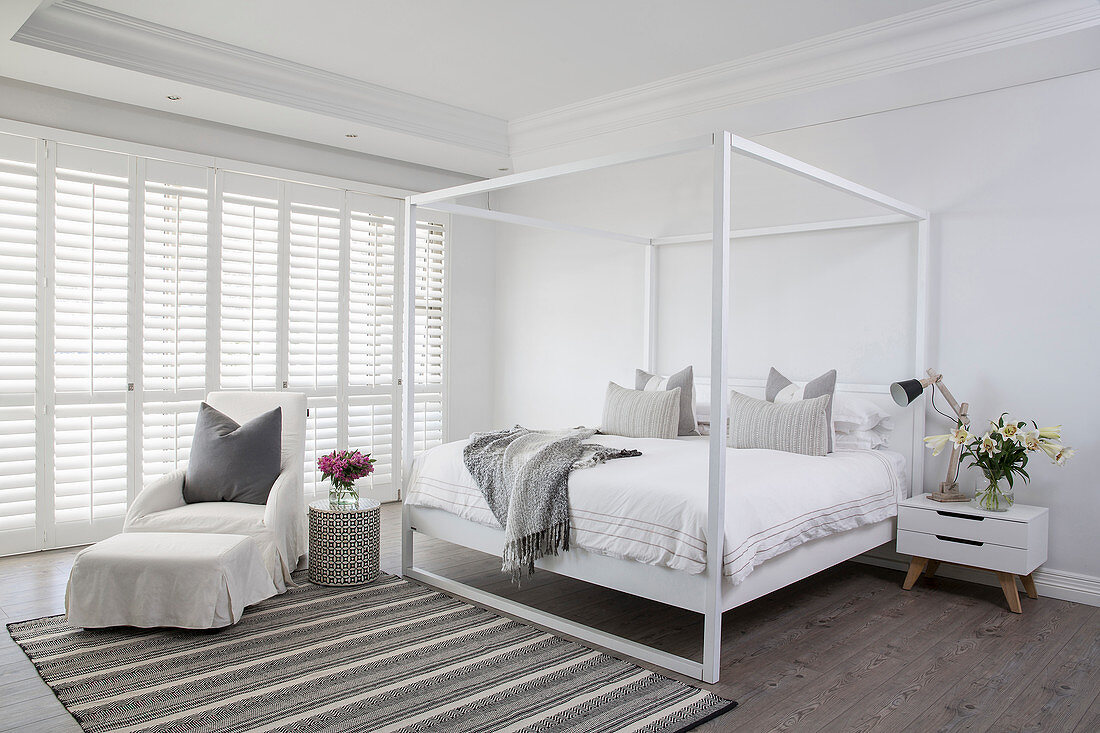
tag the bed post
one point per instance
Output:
(920, 351)
(716, 502)
(407, 377)
(649, 332)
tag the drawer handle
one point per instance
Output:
(956, 515)
(960, 541)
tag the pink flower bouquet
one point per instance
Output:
(342, 468)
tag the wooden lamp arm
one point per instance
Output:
(962, 410)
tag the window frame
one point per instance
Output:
(46, 140)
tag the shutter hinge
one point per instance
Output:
(129, 386)
(400, 381)
(285, 385)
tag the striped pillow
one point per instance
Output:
(636, 413)
(794, 427)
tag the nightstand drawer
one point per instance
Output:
(964, 551)
(943, 521)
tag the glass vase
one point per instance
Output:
(993, 494)
(343, 497)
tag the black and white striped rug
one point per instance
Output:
(389, 656)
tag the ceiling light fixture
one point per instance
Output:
(173, 98)
(351, 134)
(502, 169)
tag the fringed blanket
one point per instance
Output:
(524, 475)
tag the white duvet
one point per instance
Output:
(653, 508)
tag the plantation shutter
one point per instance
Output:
(372, 387)
(18, 288)
(428, 349)
(174, 307)
(314, 315)
(250, 281)
(90, 343)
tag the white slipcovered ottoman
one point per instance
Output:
(182, 579)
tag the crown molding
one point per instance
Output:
(86, 31)
(941, 33)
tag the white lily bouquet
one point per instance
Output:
(1002, 452)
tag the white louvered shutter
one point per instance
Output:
(250, 281)
(18, 225)
(173, 313)
(371, 383)
(428, 346)
(313, 323)
(90, 343)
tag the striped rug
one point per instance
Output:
(389, 656)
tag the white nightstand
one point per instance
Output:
(1011, 543)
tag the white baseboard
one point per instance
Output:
(1049, 583)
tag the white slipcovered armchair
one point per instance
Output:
(279, 527)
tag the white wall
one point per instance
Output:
(1012, 177)
(470, 293)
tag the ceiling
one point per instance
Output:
(509, 58)
(457, 84)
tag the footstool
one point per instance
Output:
(181, 579)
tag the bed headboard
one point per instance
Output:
(901, 439)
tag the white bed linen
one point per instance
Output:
(653, 508)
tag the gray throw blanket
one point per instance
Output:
(524, 475)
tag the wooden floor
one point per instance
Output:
(845, 650)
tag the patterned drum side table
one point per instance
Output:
(343, 543)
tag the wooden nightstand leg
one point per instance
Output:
(1029, 585)
(933, 566)
(916, 567)
(1008, 585)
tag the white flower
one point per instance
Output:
(1031, 440)
(959, 436)
(937, 443)
(1051, 449)
(1051, 433)
(988, 444)
(1011, 431)
(1064, 455)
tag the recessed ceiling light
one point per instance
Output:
(173, 98)
(502, 169)
(351, 134)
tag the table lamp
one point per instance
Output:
(904, 393)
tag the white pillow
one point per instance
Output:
(852, 414)
(861, 440)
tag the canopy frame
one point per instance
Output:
(724, 145)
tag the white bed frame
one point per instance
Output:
(705, 593)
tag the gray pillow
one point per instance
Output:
(685, 381)
(780, 389)
(231, 462)
(635, 413)
(794, 427)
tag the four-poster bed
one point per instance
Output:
(704, 592)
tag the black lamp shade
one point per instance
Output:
(905, 392)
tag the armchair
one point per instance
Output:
(278, 527)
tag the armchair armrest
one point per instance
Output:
(164, 492)
(285, 516)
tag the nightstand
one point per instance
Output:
(1011, 543)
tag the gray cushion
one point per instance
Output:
(636, 413)
(794, 427)
(685, 381)
(781, 389)
(231, 462)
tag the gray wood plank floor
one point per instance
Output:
(845, 650)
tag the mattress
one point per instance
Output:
(653, 508)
